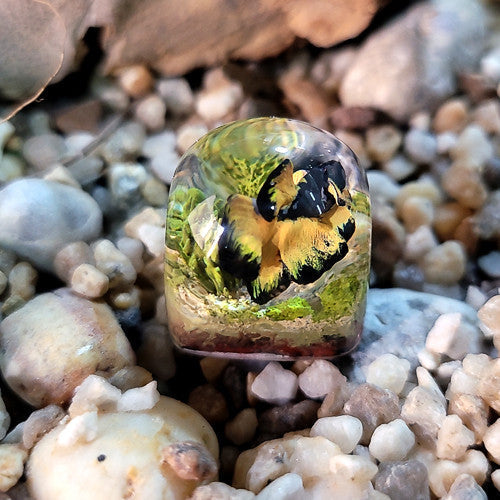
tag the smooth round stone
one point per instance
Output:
(267, 243)
(39, 217)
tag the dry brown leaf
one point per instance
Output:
(31, 51)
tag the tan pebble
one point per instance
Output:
(489, 317)
(70, 257)
(124, 299)
(150, 111)
(61, 174)
(155, 192)
(149, 215)
(89, 282)
(447, 217)
(445, 264)
(135, 80)
(208, 401)
(466, 234)
(451, 116)
(3, 282)
(39, 423)
(382, 142)
(113, 263)
(489, 384)
(453, 439)
(212, 368)
(417, 211)
(188, 134)
(300, 365)
(242, 428)
(425, 188)
(487, 115)
(473, 411)
(465, 185)
(335, 400)
(12, 458)
(22, 279)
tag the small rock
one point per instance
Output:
(425, 187)
(451, 116)
(220, 491)
(289, 417)
(3, 282)
(487, 116)
(133, 249)
(492, 441)
(39, 423)
(403, 480)
(392, 442)
(420, 146)
(345, 431)
(453, 439)
(153, 238)
(382, 186)
(114, 264)
(320, 378)
(454, 336)
(424, 412)
(22, 280)
(495, 478)
(135, 80)
(40, 217)
(84, 115)
(89, 282)
(465, 488)
(59, 173)
(473, 148)
(42, 363)
(388, 372)
(446, 142)
(419, 242)
(209, 402)
(188, 134)
(489, 384)
(373, 406)
(45, 150)
(177, 95)
(234, 381)
(443, 473)
(125, 182)
(70, 257)
(465, 185)
(124, 144)
(150, 111)
(334, 401)
(12, 458)
(487, 220)
(242, 428)
(110, 94)
(382, 142)
(284, 487)
(473, 411)
(6, 132)
(11, 167)
(156, 351)
(447, 217)
(476, 298)
(445, 264)
(399, 167)
(416, 211)
(490, 264)
(274, 384)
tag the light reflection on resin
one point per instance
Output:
(267, 243)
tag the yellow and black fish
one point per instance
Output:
(296, 229)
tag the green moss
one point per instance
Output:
(180, 238)
(340, 297)
(361, 203)
(289, 310)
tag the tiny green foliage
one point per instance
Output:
(340, 297)
(179, 237)
(361, 203)
(289, 310)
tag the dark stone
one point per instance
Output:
(290, 417)
(403, 480)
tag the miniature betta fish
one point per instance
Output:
(296, 229)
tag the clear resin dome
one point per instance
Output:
(267, 243)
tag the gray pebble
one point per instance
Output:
(490, 264)
(39, 217)
(403, 480)
(42, 151)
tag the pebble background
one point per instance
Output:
(414, 412)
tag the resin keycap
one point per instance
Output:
(267, 243)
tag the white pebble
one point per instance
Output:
(399, 167)
(391, 442)
(353, 468)
(344, 430)
(274, 384)
(139, 398)
(215, 103)
(322, 377)
(153, 238)
(429, 360)
(491, 441)
(113, 263)
(287, 487)
(388, 372)
(476, 298)
(177, 95)
(490, 264)
(80, 428)
(12, 458)
(473, 147)
(421, 146)
(453, 439)
(382, 187)
(452, 335)
(94, 393)
(495, 477)
(419, 242)
(151, 112)
(133, 249)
